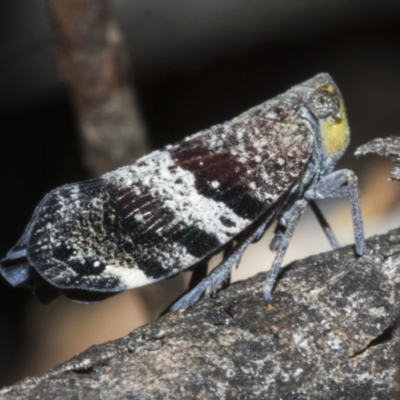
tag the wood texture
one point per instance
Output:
(330, 334)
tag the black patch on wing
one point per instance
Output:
(197, 242)
(240, 162)
(227, 222)
(225, 169)
(242, 204)
(97, 219)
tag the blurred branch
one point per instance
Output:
(329, 334)
(93, 61)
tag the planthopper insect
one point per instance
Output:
(176, 207)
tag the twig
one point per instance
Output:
(93, 61)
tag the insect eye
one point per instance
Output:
(324, 104)
(332, 120)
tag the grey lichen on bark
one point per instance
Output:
(329, 334)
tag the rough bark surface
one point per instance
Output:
(329, 334)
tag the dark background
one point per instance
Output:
(194, 63)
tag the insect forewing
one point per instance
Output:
(171, 209)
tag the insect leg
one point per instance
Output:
(281, 227)
(343, 183)
(278, 234)
(293, 216)
(214, 279)
(221, 272)
(324, 224)
(198, 274)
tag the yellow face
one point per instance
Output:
(328, 106)
(335, 133)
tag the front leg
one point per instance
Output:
(342, 183)
(292, 217)
(282, 223)
(324, 225)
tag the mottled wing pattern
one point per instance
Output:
(172, 208)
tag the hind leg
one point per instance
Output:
(222, 271)
(343, 183)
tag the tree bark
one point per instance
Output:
(329, 334)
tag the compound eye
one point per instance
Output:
(324, 104)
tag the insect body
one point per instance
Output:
(178, 206)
